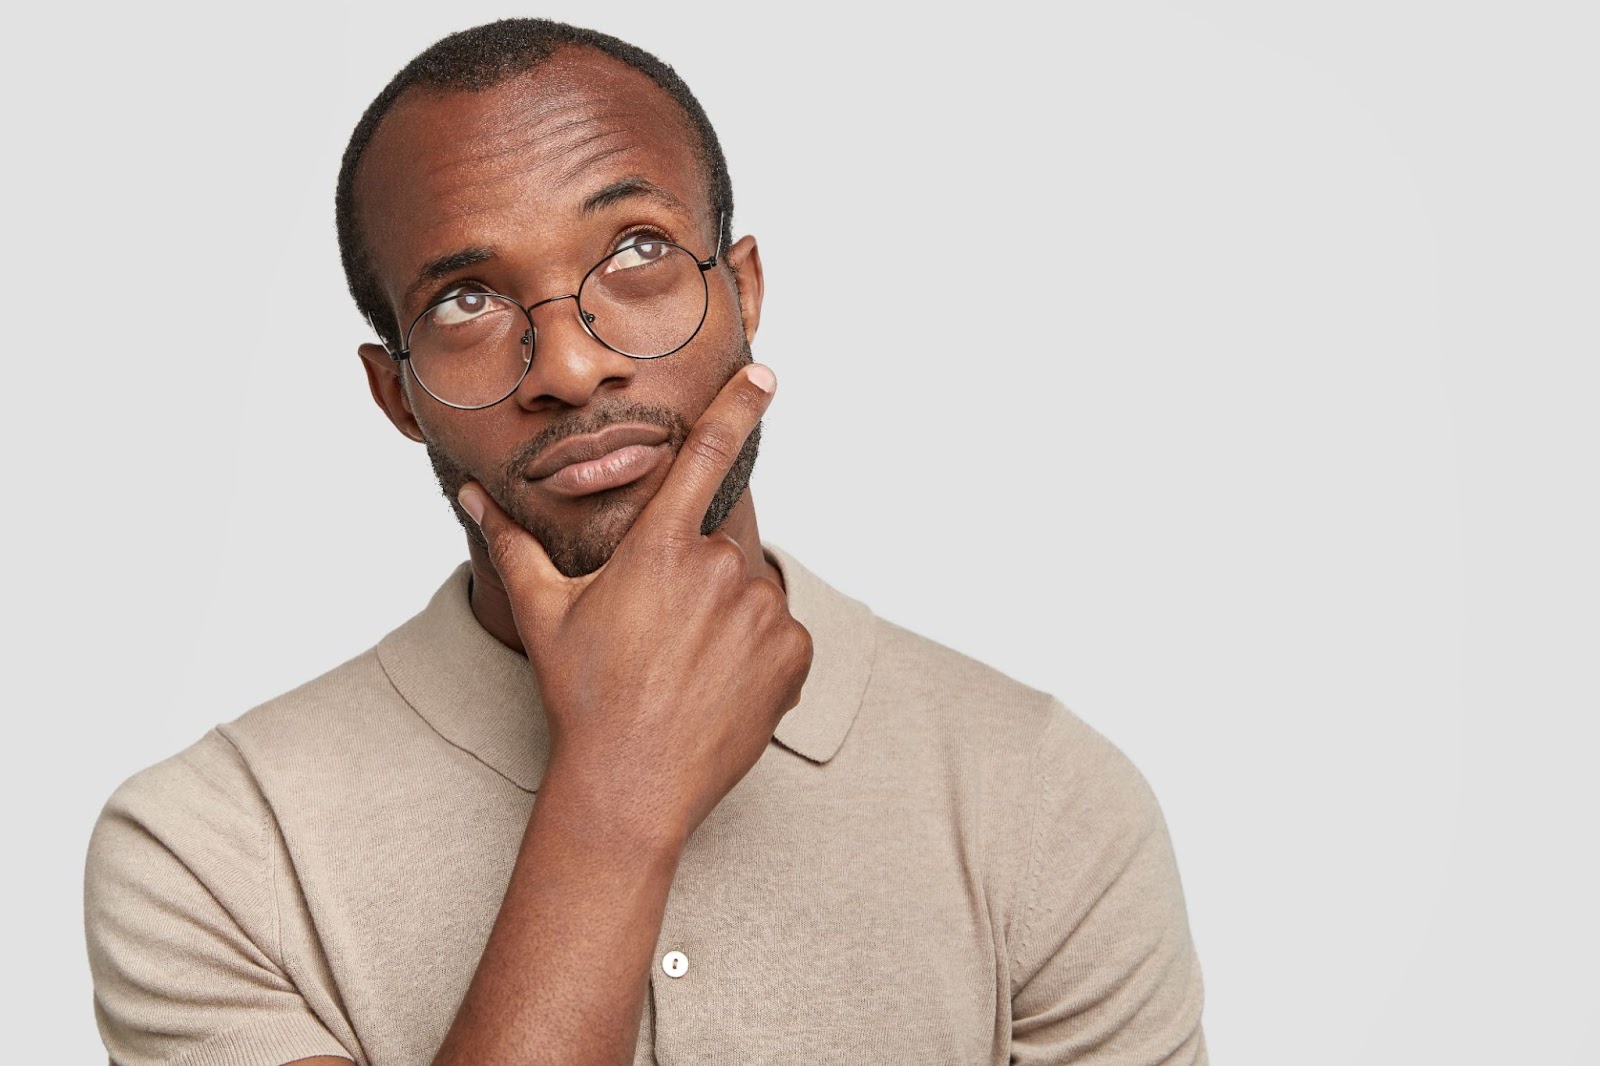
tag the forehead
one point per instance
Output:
(515, 162)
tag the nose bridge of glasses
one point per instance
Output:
(551, 300)
(531, 339)
(584, 318)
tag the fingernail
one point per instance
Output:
(471, 503)
(761, 377)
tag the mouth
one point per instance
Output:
(594, 462)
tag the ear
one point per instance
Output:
(744, 259)
(388, 391)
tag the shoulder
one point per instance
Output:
(350, 699)
(921, 707)
(209, 795)
(201, 797)
(187, 837)
(1009, 754)
(186, 918)
(1045, 778)
(194, 924)
(928, 687)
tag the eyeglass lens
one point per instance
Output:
(473, 349)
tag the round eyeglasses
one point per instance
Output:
(471, 350)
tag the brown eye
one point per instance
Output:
(457, 308)
(644, 251)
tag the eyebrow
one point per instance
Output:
(626, 189)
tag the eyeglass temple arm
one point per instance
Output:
(395, 354)
(716, 251)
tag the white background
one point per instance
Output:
(1227, 369)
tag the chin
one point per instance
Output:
(584, 546)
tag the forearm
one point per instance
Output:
(564, 973)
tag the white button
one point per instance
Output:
(675, 964)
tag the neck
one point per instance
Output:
(492, 605)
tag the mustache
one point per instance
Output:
(592, 421)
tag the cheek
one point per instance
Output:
(725, 348)
(475, 443)
(712, 366)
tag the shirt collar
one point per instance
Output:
(480, 696)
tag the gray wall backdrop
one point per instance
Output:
(1227, 369)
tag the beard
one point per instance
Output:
(583, 548)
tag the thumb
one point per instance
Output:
(531, 580)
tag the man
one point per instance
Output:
(634, 786)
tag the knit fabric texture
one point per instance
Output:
(931, 863)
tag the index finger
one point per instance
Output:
(710, 450)
(533, 581)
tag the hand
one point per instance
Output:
(664, 673)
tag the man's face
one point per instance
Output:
(519, 190)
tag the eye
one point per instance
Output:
(638, 250)
(460, 306)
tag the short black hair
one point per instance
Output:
(478, 59)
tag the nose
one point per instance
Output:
(569, 366)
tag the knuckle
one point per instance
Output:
(768, 600)
(725, 561)
(801, 649)
(794, 686)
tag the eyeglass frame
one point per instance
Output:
(403, 354)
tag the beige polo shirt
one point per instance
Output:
(931, 863)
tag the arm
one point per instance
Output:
(565, 971)
(663, 676)
(564, 974)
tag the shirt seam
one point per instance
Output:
(1043, 796)
(281, 960)
(269, 832)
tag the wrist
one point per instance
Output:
(610, 815)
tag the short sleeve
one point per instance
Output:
(1104, 969)
(182, 926)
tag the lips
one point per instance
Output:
(592, 462)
